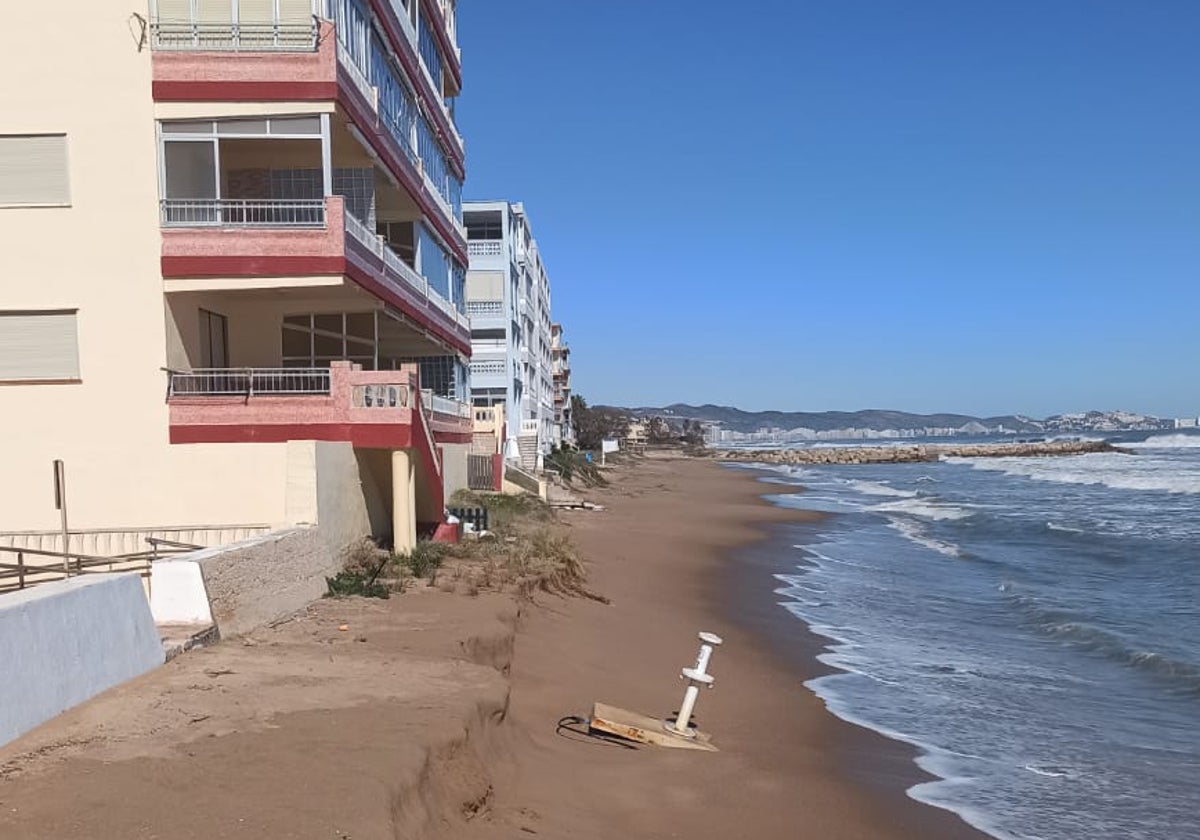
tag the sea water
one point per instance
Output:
(1032, 625)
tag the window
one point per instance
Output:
(214, 340)
(41, 346)
(317, 340)
(33, 170)
(484, 225)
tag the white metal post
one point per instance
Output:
(696, 676)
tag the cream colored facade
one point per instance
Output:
(88, 75)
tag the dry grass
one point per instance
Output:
(527, 552)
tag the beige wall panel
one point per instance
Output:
(485, 285)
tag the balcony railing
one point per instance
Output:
(484, 247)
(404, 272)
(381, 396)
(483, 308)
(233, 37)
(489, 367)
(241, 212)
(248, 382)
(446, 406)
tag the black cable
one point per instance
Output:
(570, 724)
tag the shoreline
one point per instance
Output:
(885, 764)
(683, 546)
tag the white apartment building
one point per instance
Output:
(508, 300)
(560, 354)
(232, 265)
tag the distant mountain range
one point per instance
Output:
(874, 421)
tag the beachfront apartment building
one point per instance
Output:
(508, 300)
(560, 369)
(233, 266)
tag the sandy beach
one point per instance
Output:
(435, 713)
(675, 550)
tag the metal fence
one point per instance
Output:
(477, 516)
(242, 212)
(22, 568)
(233, 37)
(216, 382)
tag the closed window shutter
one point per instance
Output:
(214, 11)
(33, 169)
(257, 12)
(295, 11)
(38, 345)
(174, 11)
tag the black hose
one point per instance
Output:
(579, 729)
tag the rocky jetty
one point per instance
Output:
(917, 453)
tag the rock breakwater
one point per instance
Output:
(918, 452)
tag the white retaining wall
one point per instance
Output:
(257, 581)
(177, 593)
(64, 642)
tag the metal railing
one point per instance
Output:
(485, 307)
(183, 35)
(242, 212)
(446, 406)
(248, 382)
(34, 565)
(359, 78)
(405, 273)
(484, 247)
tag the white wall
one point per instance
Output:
(64, 642)
(177, 593)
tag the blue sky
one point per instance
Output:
(926, 205)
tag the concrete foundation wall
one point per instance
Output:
(62, 643)
(260, 580)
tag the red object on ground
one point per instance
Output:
(447, 533)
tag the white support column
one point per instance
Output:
(326, 155)
(404, 501)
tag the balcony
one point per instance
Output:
(248, 213)
(485, 248)
(486, 314)
(489, 373)
(372, 409)
(195, 36)
(254, 242)
(308, 62)
(447, 416)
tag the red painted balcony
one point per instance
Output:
(215, 238)
(370, 409)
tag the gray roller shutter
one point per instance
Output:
(39, 345)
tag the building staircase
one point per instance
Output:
(527, 446)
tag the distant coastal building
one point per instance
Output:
(1187, 422)
(236, 266)
(508, 299)
(560, 354)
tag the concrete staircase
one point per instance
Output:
(527, 445)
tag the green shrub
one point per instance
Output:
(424, 560)
(345, 584)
